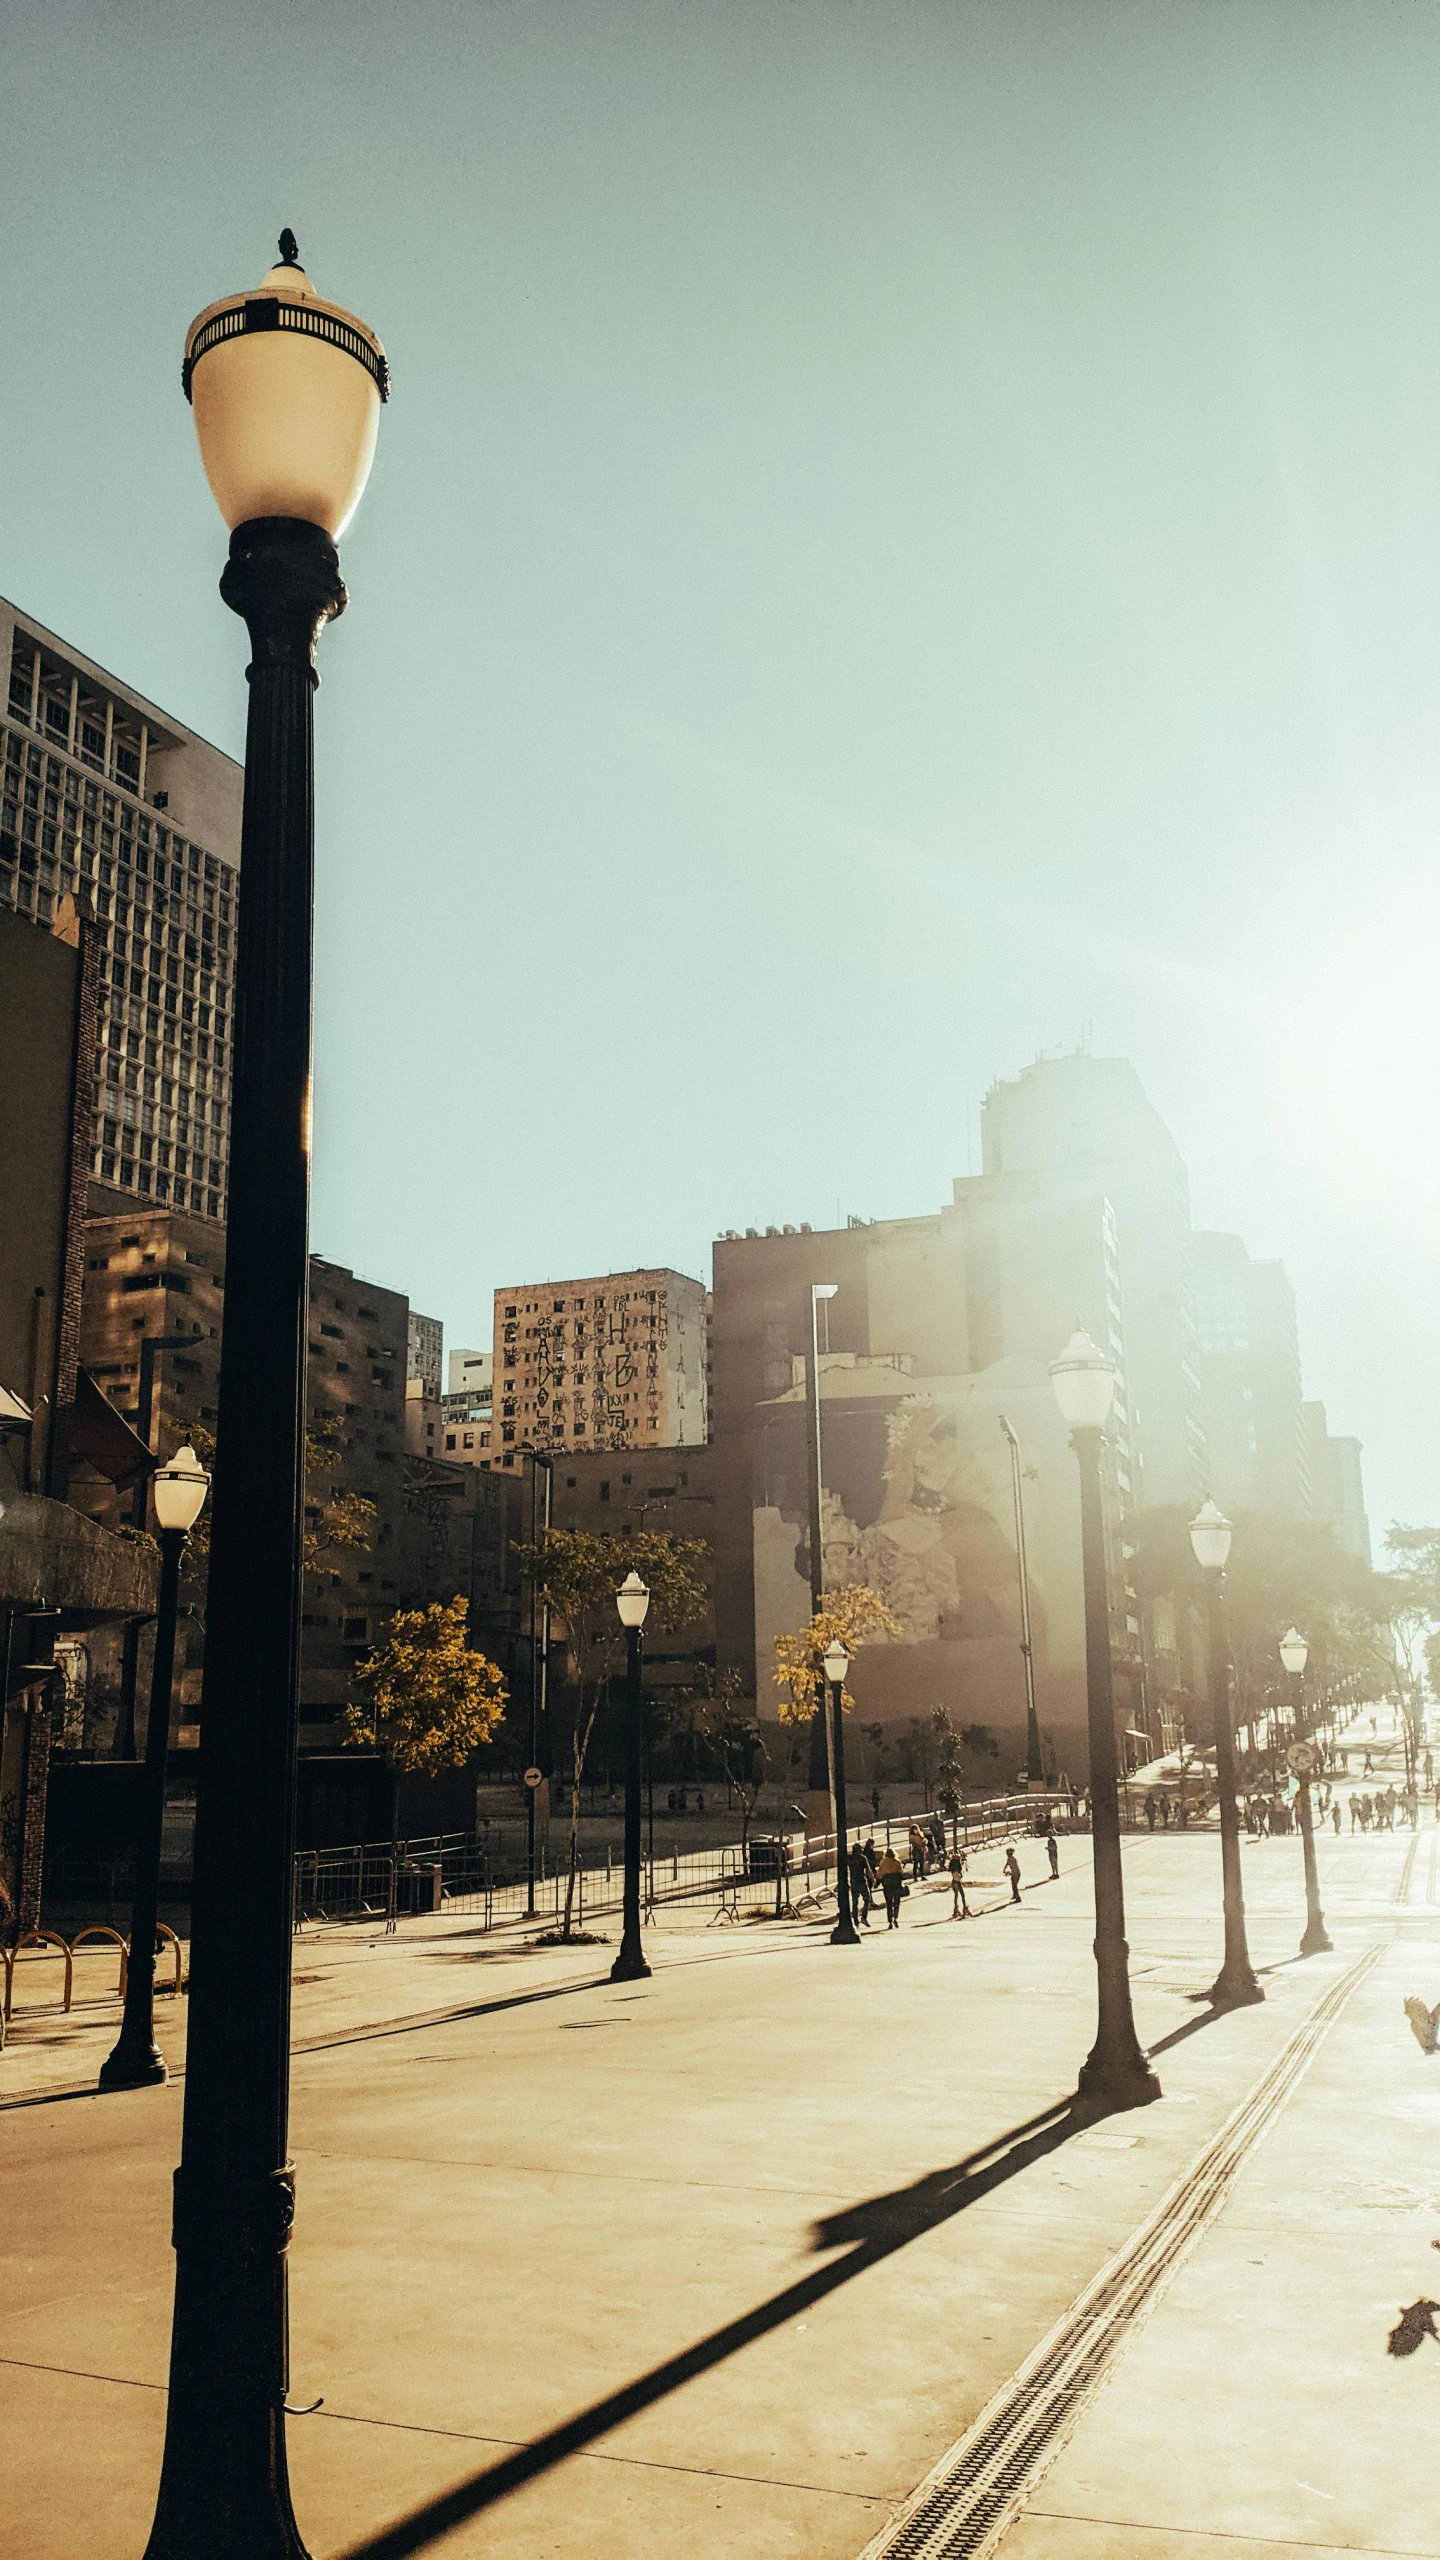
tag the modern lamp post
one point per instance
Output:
(820, 1723)
(632, 1600)
(1294, 1653)
(1235, 1986)
(286, 391)
(837, 1663)
(136, 2061)
(1034, 1757)
(1115, 2074)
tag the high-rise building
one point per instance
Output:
(467, 1409)
(1248, 1348)
(1084, 1127)
(107, 798)
(424, 1408)
(1337, 1488)
(617, 1362)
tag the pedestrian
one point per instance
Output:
(872, 1862)
(874, 1804)
(959, 1907)
(1012, 1869)
(1052, 1849)
(1354, 1811)
(1429, 1767)
(1367, 1811)
(1412, 1806)
(917, 1851)
(937, 1838)
(1369, 1768)
(859, 1885)
(892, 1885)
(1165, 1813)
(1151, 1808)
(1335, 1816)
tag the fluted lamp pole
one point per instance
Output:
(1301, 1759)
(1235, 1986)
(837, 1663)
(286, 390)
(631, 1601)
(136, 2061)
(1115, 2073)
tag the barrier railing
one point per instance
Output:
(49, 1940)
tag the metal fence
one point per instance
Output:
(463, 1874)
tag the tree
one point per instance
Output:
(852, 1615)
(430, 1698)
(334, 1517)
(735, 1738)
(579, 1574)
(949, 1762)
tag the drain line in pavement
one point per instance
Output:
(961, 2510)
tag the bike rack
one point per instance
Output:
(40, 1938)
(98, 1930)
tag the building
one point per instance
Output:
(467, 1410)
(1084, 1128)
(425, 1353)
(1337, 1489)
(1248, 1348)
(64, 1580)
(618, 1362)
(669, 1490)
(938, 1325)
(107, 798)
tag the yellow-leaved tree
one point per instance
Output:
(429, 1698)
(853, 1614)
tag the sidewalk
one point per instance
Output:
(723, 2261)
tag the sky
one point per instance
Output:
(904, 538)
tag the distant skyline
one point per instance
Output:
(902, 532)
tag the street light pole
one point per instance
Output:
(1115, 2074)
(632, 1600)
(136, 2061)
(150, 1350)
(1234, 1986)
(821, 1732)
(539, 1665)
(1034, 1757)
(1294, 1653)
(844, 1933)
(286, 391)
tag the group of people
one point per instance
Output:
(882, 1871)
(1377, 1812)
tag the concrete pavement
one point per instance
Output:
(726, 2260)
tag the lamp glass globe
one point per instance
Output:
(1210, 1535)
(180, 1490)
(632, 1600)
(1294, 1651)
(1084, 1383)
(286, 415)
(837, 1663)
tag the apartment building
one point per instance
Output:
(617, 1362)
(1248, 1346)
(467, 1408)
(105, 798)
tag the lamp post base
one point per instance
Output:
(629, 1966)
(1108, 2088)
(134, 2066)
(1317, 1940)
(844, 1933)
(1235, 1987)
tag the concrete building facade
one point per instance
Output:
(1337, 1482)
(1248, 1347)
(105, 798)
(616, 1362)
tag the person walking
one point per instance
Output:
(1335, 1816)
(1012, 1869)
(892, 1885)
(859, 1884)
(1354, 1811)
(1052, 1849)
(917, 1852)
(1151, 1808)
(959, 1907)
(937, 1838)
(872, 1866)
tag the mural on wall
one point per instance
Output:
(917, 1504)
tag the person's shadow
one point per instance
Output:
(1415, 2324)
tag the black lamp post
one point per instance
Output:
(1235, 1986)
(1115, 2074)
(1294, 1653)
(136, 2061)
(632, 1600)
(821, 1775)
(286, 391)
(837, 1663)
(1034, 1756)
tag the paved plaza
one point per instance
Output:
(727, 2262)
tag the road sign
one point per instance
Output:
(534, 1777)
(1301, 1758)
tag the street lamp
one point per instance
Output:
(1115, 2073)
(136, 2061)
(286, 391)
(820, 1722)
(1294, 1653)
(1235, 1986)
(632, 1600)
(1034, 1757)
(837, 1663)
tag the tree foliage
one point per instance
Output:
(734, 1737)
(334, 1516)
(853, 1615)
(430, 1698)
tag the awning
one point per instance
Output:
(103, 1437)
